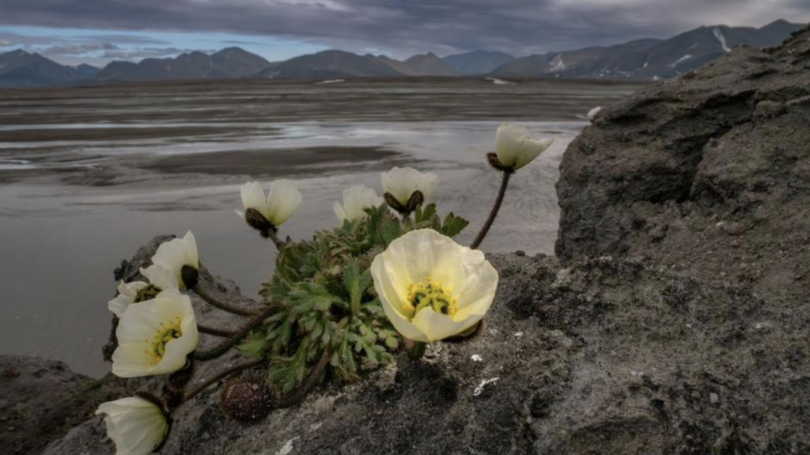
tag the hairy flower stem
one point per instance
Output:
(215, 331)
(494, 213)
(296, 397)
(273, 235)
(236, 337)
(415, 349)
(200, 290)
(218, 376)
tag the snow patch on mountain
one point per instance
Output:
(681, 60)
(557, 63)
(722, 38)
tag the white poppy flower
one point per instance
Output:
(136, 425)
(160, 278)
(431, 287)
(401, 183)
(278, 206)
(356, 199)
(155, 338)
(594, 112)
(515, 148)
(175, 254)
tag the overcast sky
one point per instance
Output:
(97, 31)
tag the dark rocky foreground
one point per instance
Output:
(677, 323)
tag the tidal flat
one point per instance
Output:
(89, 174)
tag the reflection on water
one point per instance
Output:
(62, 234)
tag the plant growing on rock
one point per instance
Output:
(388, 279)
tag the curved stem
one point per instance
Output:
(494, 213)
(237, 336)
(215, 331)
(309, 384)
(273, 235)
(199, 289)
(220, 375)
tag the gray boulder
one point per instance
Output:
(708, 174)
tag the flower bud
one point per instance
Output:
(356, 199)
(257, 221)
(137, 425)
(247, 399)
(593, 113)
(268, 213)
(394, 203)
(400, 185)
(176, 254)
(190, 275)
(515, 148)
(417, 198)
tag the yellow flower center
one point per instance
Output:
(167, 332)
(431, 295)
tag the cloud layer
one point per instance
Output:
(407, 26)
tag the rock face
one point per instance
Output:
(39, 400)
(605, 356)
(708, 174)
(676, 323)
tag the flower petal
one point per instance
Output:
(190, 249)
(253, 197)
(437, 326)
(138, 328)
(339, 212)
(425, 255)
(515, 147)
(160, 276)
(126, 296)
(356, 199)
(136, 426)
(282, 201)
(401, 183)
(391, 287)
(176, 253)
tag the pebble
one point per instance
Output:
(763, 326)
(480, 389)
(714, 398)
(476, 358)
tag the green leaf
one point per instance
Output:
(253, 345)
(389, 230)
(352, 282)
(426, 214)
(453, 225)
(392, 342)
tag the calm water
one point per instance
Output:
(81, 184)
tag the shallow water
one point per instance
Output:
(72, 208)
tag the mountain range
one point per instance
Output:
(644, 59)
(648, 59)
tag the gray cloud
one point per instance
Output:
(405, 26)
(149, 52)
(77, 49)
